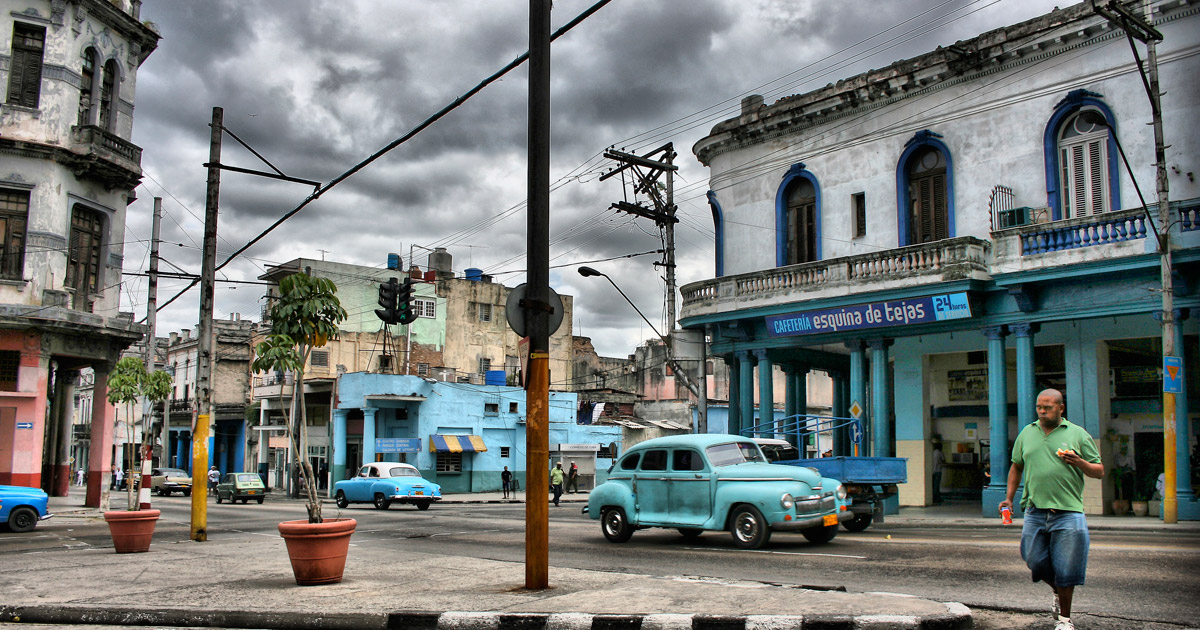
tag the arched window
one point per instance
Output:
(1081, 157)
(925, 191)
(798, 218)
(87, 87)
(718, 227)
(108, 96)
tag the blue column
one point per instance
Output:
(1000, 460)
(339, 446)
(841, 401)
(735, 410)
(368, 434)
(858, 392)
(1026, 378)
(800, 402)
(766, 394)
(789, 403)
(1187, 508)
(745, 390)
(881, 399)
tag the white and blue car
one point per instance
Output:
(385, 483)
(21, 508)
(697, 483)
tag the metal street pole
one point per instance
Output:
(208, 272)
(536, 303)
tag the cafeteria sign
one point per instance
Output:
(922, 310)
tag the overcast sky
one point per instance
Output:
(316, 86)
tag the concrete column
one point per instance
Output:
(1187, 507)
(368, 445)
(1026, 377)
(766, 395)
(100, 450)
(994, 492)
(858, 394)
(339, 446)
(733, 419)
(64, 397)
(881, 399)
(745, 390)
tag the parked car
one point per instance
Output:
(241, 485)
(384, 483)
(165, 481)
(21, 508)
(697, 483)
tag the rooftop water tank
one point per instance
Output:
(494, 377)
(474, 274)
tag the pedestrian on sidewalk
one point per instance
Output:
(506, 481)
(214, 476)
(939, 465)
(573, 479)
(118, 476)
(1054, 455)
(78, 477)
(556, 482)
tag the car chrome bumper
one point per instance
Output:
(807, 522)
(414, 497)
(42, 518)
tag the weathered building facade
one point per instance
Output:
(69, 72)
(950, 234)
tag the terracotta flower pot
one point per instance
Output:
(131, 531)
(318, 550)
(1140, 508)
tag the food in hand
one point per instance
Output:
(1062, 452)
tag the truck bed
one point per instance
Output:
(864, 470)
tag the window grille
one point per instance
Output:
(485, 312)
(449, 462)
(319, 358)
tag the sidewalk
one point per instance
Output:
(244, 580)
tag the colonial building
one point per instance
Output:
(69, 72)
(951, 233)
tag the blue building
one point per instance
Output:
(458, 434)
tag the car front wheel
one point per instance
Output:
(615, 526)
(749, 528)
(382, 502)
(22, 519)
(820, 535)
(342, 502)
(219, 498)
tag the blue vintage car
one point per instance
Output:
(695, 483)
(384, 483)
(21, 507)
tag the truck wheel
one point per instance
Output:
(340, 497)
(690, 533)
(382, 502)
(820, 535)
(615, 526)
(22, 519)
(749, 528)
(858, 523)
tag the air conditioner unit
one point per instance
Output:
(1013, 217)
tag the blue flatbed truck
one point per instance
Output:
(868, 480)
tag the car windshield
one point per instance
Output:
(173, 472)
(734, 453)
(402, 471)
(247, 477)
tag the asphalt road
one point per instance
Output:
(1134, 578)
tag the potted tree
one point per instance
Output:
(133, 528)
(1120, 504)
(304, 316)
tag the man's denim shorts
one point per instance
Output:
(1054, 544)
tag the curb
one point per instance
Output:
(956, 617)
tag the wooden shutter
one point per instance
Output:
(802, 230)
(929, 209)
(1095, 177)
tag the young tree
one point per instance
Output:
(128, 382)
(304, 316)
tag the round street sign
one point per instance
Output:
(516, 314)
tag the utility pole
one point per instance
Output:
(1139, 28)
(208, 272)
(537, 302)
(151, 352)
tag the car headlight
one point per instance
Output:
(786, 501)
(841, 492)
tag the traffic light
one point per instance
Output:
(388, 292)
(404, 305)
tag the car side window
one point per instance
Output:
(655, 460)
(686, 460)
(630, 462)
(365, 471)
(374, 472)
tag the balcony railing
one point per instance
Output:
(1085, 231)
(273, 379)
(928, 263)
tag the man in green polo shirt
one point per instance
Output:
(1054, 456)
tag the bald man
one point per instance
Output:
(1054, 455)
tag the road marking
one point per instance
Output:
(782, 553)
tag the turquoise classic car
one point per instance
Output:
(697, 483)
(384, 483)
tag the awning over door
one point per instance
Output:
(456, 444)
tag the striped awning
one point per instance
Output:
(456, 444)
